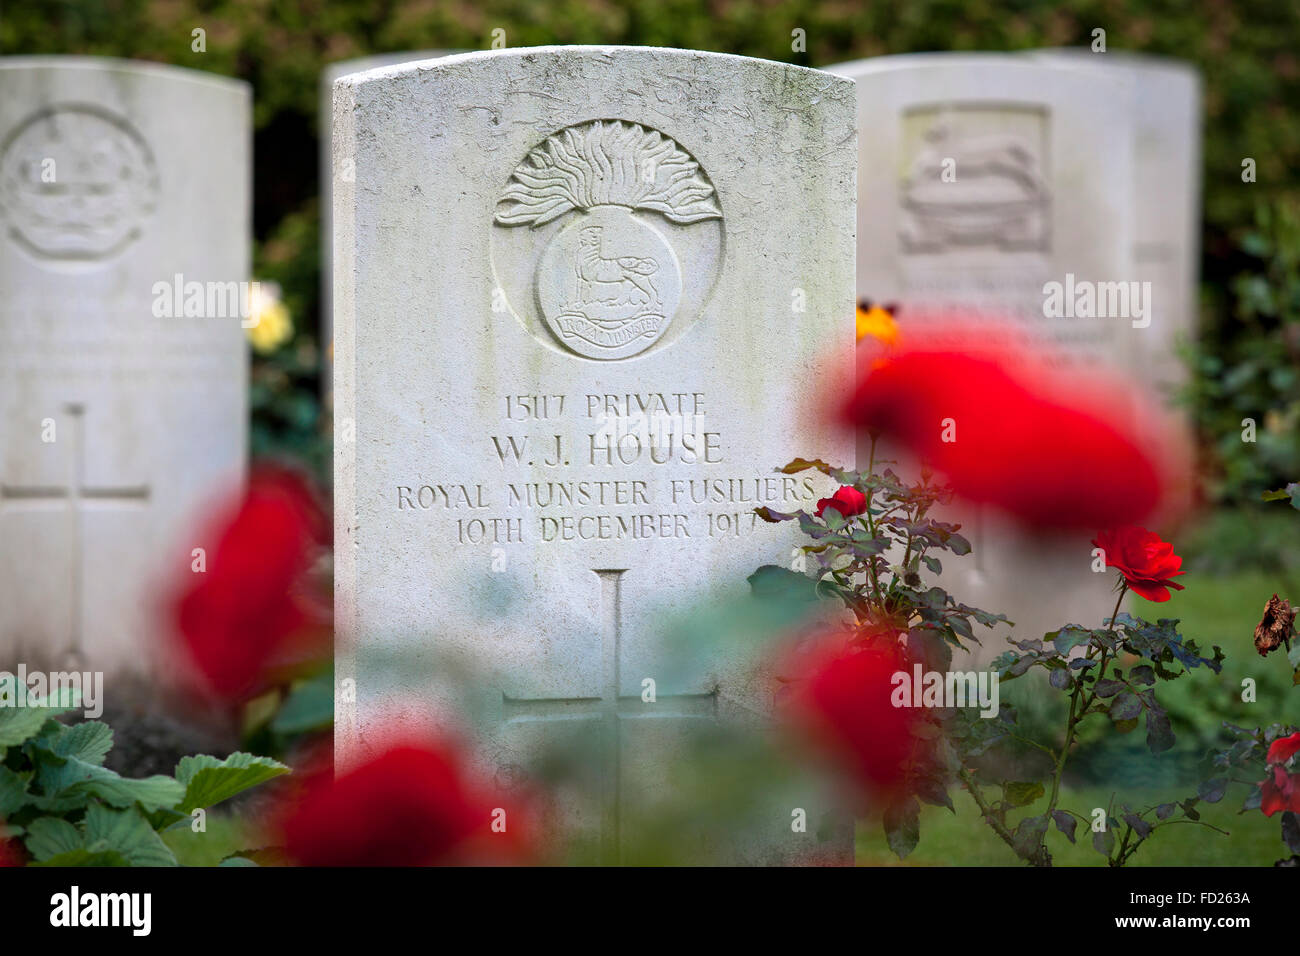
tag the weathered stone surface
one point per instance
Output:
(328, 172)
(583, 297)
(121, 409)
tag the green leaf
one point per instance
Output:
(13, 791)
(208, 781)
(1160, 735)
(767, 514)
(89, 741)
(1126, 706)
(773, 581)
(1029, 836)
(1142, 674)
(19, 724)
(126, 832)
(1021, 794)
(1066, 823)
(1104, 841)
(902, 822)
(76, 777)
(83, 857)
(1108, 688)
(310, 707)
(237, 861)
(1291, 831)
(1138, 825)
(1212, 791)
(810, 526)
(51, 836)
(1291, 491)
(802, 464)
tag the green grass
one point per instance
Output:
(1214, 609)
(963, 840)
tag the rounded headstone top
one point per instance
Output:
(142, 68)
(453, 60)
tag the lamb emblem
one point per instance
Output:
(626, 274)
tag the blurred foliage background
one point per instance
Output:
(1247, 358)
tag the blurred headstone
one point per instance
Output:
(983, 179)
(1166, 104)
(329, 169)
(584, 297)
(124, 264)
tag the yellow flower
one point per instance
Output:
(269, 324)
(877, 323)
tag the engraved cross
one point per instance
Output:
(611, 709)
(80, 497)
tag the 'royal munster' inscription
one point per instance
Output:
(633, 447)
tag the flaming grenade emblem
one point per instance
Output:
(608, 282)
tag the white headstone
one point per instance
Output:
(328, 171)
(983, 177)
(540, 246)
(121, 184)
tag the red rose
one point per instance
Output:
(243, 612)
(848, 501)
(11, 852)
(1007, 430)
(414, 805)
(839, 700)
(1284, 748)
(1279, 792)
(1146, 562)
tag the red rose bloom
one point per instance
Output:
(1008, 430)
(848, 501)
(1284, 748)
(240, 614)
(11, 853)
(414, 805)
(840, 700)
(1146, 562)
(1279, 792)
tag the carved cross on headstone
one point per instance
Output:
(80, 497)
(611, 708)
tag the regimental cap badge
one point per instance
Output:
(607, 163)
